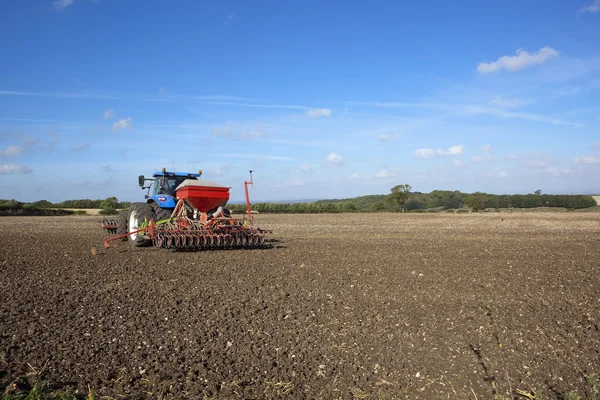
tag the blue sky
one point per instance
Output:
(321, 99)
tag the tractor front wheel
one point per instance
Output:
(138, 217)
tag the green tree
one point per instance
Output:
(538, 192)
(476, 201)
(399, 195)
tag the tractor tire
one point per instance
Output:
(161, 213)
(138, 214)
(122, 225)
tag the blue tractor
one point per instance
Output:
(163, 185)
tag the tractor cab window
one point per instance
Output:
(168, 184)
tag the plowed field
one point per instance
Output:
(365, 306)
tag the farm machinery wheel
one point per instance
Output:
(160, 213)
(139, 216)
(122, 224)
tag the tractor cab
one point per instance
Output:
(162, 189)
(166, 184)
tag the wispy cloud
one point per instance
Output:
(61, 4)
(587, 160)
(595, 7)
(389, 137)
(455, 150)
(109, 114)
(480, 159)
(8, 169)
(222, 171)
(475, 110)
(502, 174)
(225, 130)
(80, 148)
(354, 176)
(513, 102)
(126, 123)
(107, 168)
(487, 148)
(28, 120)
(237, 132)
(307, 167)
(334, 159)
(384, 173)
(10, 151)
(207, 99)
(318, 112)
(520, 61)
(243, 156)
(596, 145)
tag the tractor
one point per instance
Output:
(182, 211)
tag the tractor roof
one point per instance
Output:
(167, 173)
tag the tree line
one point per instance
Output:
(402, 199)
(109, 206)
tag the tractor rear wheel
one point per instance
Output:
(139, 215)
(161, 213)
(122, 224)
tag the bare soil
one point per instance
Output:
(365, 306)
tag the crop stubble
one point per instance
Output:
(344, 306)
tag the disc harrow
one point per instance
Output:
(188, 234)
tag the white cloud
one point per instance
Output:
(354, 176)
(318, 112)
(424, 153)
(10, 151)
(455, 150)
(7, 169)
(384, 173)
(388, 137)
(60, 4)
(109, 114)
(521, 60)
(502, 174)
(596, 145)
(126, 123)
(487, 148)
(458, 163)
(231, 16)
(587, 160)
(335, 159)
(307, 167)
(592, 7)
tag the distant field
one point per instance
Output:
(88, 211)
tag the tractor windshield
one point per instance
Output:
(168, 184)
